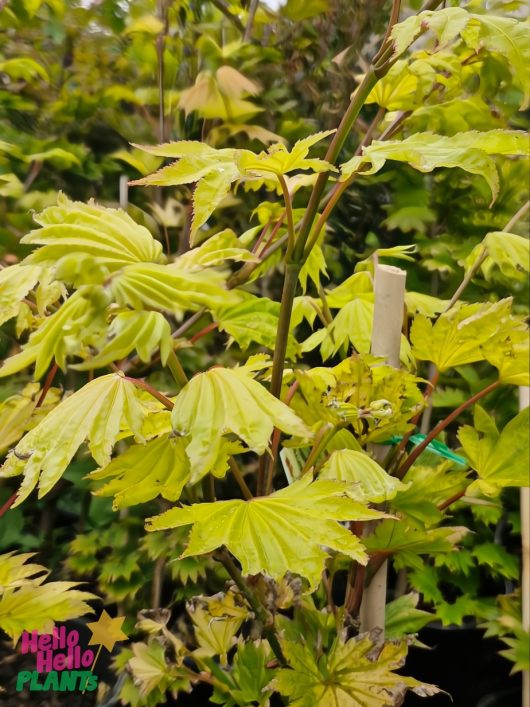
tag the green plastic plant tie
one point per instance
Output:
(436, 447)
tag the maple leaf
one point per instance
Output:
(284, 532)
(96, 413)
(222, 401)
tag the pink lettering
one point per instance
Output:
(29, 642)
(44, 661)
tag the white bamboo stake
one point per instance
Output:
(124, 192)
(386, 342)
(524, 402)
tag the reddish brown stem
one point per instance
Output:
(140, 383)
(441, 426)
(207, 329)
(47, 384)
(273, 233)
(7, 505)
(429, 390)
(451, 500)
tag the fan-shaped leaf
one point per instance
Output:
(170, 288)
(470, 151)
(457, 336)
(254, 320)
(372, 483)
(283, 532)
(499, 459)
(109, 235)
(223, 401)
(15, 283)
(144, 472)
(355, 673)
(62, 334)
(95, 413)
(28, 603)
(144, 331)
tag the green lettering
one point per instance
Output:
(23, 677)
(52, 681)
(68, 681)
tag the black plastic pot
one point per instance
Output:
(505, 698)
(463, 663)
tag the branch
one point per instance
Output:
(482, 257)
(442, 425)
(223, 7)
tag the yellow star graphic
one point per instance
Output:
(106, 631)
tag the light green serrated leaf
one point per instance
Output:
(372, 483)
(457, 336)
(216, 250)
(355, 673)
(223, 401)
(171, 289)
(15, 283)
(469, 151)
(305, 522)
(406, 543)
(500, 460)
(109, 235)
(507, 251)
(145, 332)
(29, 603)
(402, 617)
(23, 68)
(62, 334)
(144, 472)
(254, 321)
(95, 413)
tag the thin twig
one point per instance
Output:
(238, 476)
(47, 384)
(482, 257)
(254, 4)
(442, 425)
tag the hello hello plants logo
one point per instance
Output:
(61, 663)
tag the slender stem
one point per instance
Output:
(183, 328)
(289, 211)
(429, 390)
(158, 580)
(244, 273)
(451, 500)
(335, 194)
(259, 610)
(394, 16)
(7, 505)
(326, 433)
(140, 383)
(223, 7)
(47, 384)
(254, 4)
(160, 46)
(274, 233)
(346, 124)
(280, 349)
(290, 282)
(522, 211)
(176, 369)
(442, 425)
(261, 236)
(238, 476)
(207, 329)
(468, 277)
(483, 255)
(277, 433)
